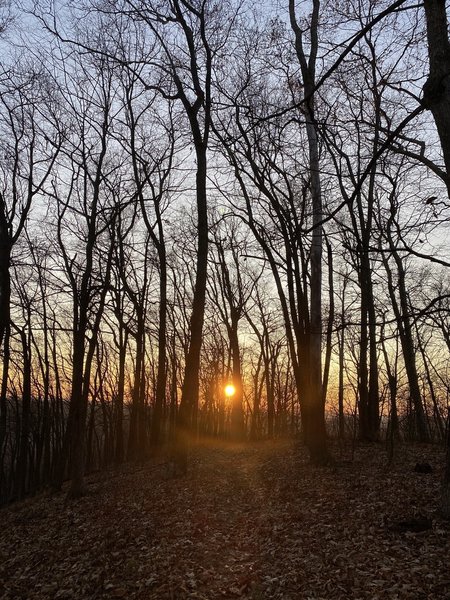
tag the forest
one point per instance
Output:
(219, 220)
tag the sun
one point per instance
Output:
(230, 390)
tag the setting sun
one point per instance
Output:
(230, 390)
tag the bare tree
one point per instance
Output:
(85, 211)
(231, 298)
(436, 91)
(313, 406)
(152, 164)
(31, 138)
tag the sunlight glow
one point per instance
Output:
(230, 390)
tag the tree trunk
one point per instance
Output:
(437, 414)
(313, 409)
(436, 91)
(404, 327)
(119, 451)
(258, 382)
(237, 410)
(136, 417)
(190, 389)
(5, 325)
(315, 431)
(269, 397)
(75, 432)
(341, 417)
(394, 431)
(23, 474)
(329, 332)
(161, 378)
(445, 496)
(368, 365)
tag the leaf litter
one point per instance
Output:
(252, 521)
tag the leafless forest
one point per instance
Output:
(202, 193)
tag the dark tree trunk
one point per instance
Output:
(436, 91)
(23, 474)
(394, 430)
(436, 411)
(268, 376)
(313, 409)
(368, 364)
(445, 496)
(329, 333)
(258, 382)
(5, 298)
(119, 451)
(75, 437)
(189, 395)
(161, 378)
(135, 443)
(341, 417)
(406, 339)
(237, 410)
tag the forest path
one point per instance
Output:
(225, 518)
(248, 521)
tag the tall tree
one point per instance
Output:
(192, 86)
(31, 136)
(313, 414)
(436, 91)
(183, 32)
(231, 297)
(152, 164)
(86, 208)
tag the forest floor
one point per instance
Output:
(251, 521)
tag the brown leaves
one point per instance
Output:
(251, 522)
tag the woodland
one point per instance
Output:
(224, 299)
(224, 267)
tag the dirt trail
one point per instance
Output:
(250, 521)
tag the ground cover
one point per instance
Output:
(248, 521)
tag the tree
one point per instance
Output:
(85, 220)
(31, 139)
(402, 311)
(189, 82)
(231, 298)
(436, 91)
(265, 326)
(152, 172)
(445, 495)
(277, 207)
(313, 406)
